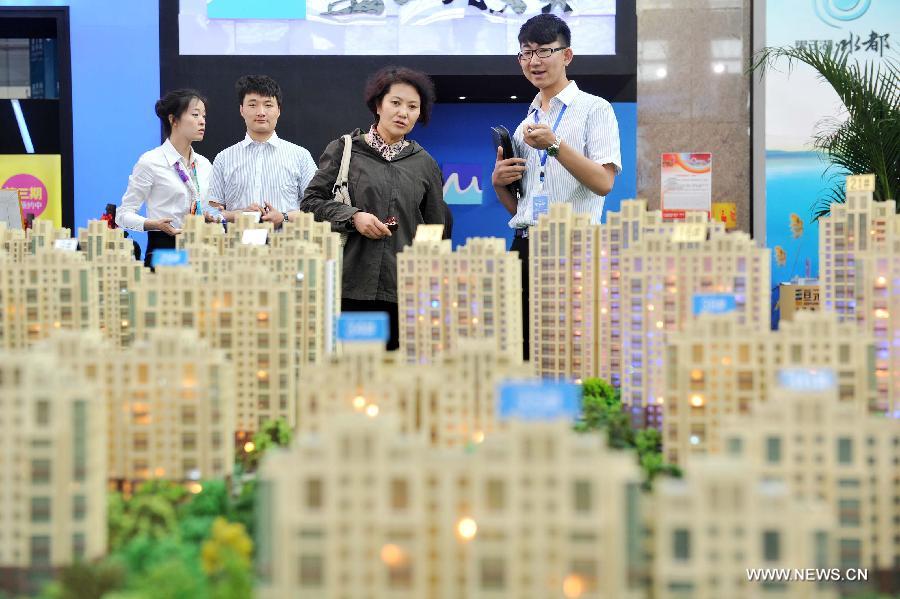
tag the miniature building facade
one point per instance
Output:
(717, 522)
(170, 400)
(52, 469)
(52, 289)
(660, 278)
(825, 450)
(534, 511)
(248, 313)
(369, 380)
(716, 367)
(446, 296)
(564, 271)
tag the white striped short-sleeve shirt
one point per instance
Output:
(589, 124)
(251, 172)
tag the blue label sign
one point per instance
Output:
(363, 326)
(714, 303)
(539, 400)
(169, 258)
(807, 379)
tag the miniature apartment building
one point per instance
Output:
(824, 449)
(878, 311)
(13, 242)
(170, 400)
(52, 469)
(852, 228)
(534, 511)
(52, 289)
(564, 272)
(715, 523)
(197, 233)
(716, 367)
(98, 238)
(621, 231)
(661, 275)
(249, 313)
(446, 296)
(301, 255)
(43, 233)
(450, 400)
(111, 256)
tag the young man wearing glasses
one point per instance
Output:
(568, 143)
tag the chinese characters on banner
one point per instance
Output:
(36, 178)
(685, 183)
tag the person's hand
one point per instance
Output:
(507, 170)
(539, 136)
(161, 224)
(369, 226)
(270, 215)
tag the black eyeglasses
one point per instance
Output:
(525, 55)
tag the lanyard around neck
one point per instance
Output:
(555, 125)
(192, 182)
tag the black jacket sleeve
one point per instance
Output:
(432, 206)
(319, 196)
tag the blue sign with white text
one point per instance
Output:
(714, 303)
(169, 258)
(807, 379)
(540, 400)
(363, 326)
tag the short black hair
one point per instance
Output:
(380, 83)
(545, 29)
(263, 85)
(176, 103)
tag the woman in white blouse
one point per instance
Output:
(172, 179)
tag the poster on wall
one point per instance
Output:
(798, 103)
(685, 183)
(37, 179)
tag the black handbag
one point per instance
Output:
(501, 137)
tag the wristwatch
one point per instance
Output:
(554, 149)
(285, 216)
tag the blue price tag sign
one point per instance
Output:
(169, 258)
(807, 379)
(540, 205)
(363, 326)
(539, 401)
(714, 303)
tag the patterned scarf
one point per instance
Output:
(388, 151)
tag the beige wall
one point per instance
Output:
(684, 105)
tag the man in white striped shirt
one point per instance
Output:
(567, 146)
(262, 172)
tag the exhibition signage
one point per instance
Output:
(356, 327)
(536, 401)
(254, 236)
(67, 245)
(806, 379)
(37, 179)
(714, 303)
(169, 258)
(685, 183)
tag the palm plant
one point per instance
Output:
(868, 141)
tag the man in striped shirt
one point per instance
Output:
(262, 172)
(567, 146)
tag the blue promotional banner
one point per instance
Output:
(357, 327)
(796, 174)
(169, 258)
(806, 379)
(538, 401)
(714, 303)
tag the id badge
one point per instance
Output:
(540, 204)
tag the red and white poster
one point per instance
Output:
(685, 183)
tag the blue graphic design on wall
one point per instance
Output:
(455, 147)
(461, 183)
